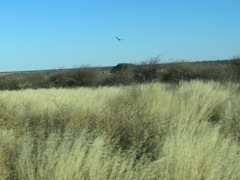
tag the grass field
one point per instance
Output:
(150, 131)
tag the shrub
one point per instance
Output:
(177, 71)
(123, 77)
(33, 80)
(122, 74)
(123, 67)
(147, 71)
(85, 76)
(9, 82)
(59, 79)
(236, 68)
(220, 71)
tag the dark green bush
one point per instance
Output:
(59, 79)
(236, 68)
(236, 62)
(216, 71)
(123, 77)
(178, 71)
(147, 71)
(33, 80)
(9, 82)
(123, 67)
(16, 81)
(124, 74)
(86, 76)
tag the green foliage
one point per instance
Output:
(147, 71)
(33, 80)
(85, 76)
(236, 68)
(59, 79)
(123, 67)
(123, 77)
(178, 71)
(9, 82)
(236, 62)
(124, 74)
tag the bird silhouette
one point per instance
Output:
(119, 39)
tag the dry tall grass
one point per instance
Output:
(151, 131)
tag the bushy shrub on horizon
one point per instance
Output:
(236, 67)
(123, 67)
(9, 82)
(177, 71)
(124, 74)
(84, 76)
(147, 71)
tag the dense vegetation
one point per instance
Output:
(141, 131)
(133, 121)
(124, 74)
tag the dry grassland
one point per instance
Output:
(151, 131)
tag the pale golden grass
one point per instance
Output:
(151, 131)
(199, 152)
(8, 149)
(79, 157)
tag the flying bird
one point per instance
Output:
(119, 39)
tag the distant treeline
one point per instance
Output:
(125, 74)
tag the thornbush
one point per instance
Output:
(148, 71)
(178, 71)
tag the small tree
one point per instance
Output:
(236, 68)
(147, 71)
(122, 74)
(177, 71)
(122, 67)
(59, 79)
(85, 76)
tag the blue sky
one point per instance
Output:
(46, 34)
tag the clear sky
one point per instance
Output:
(46, 34)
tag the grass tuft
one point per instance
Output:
(150, 131)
